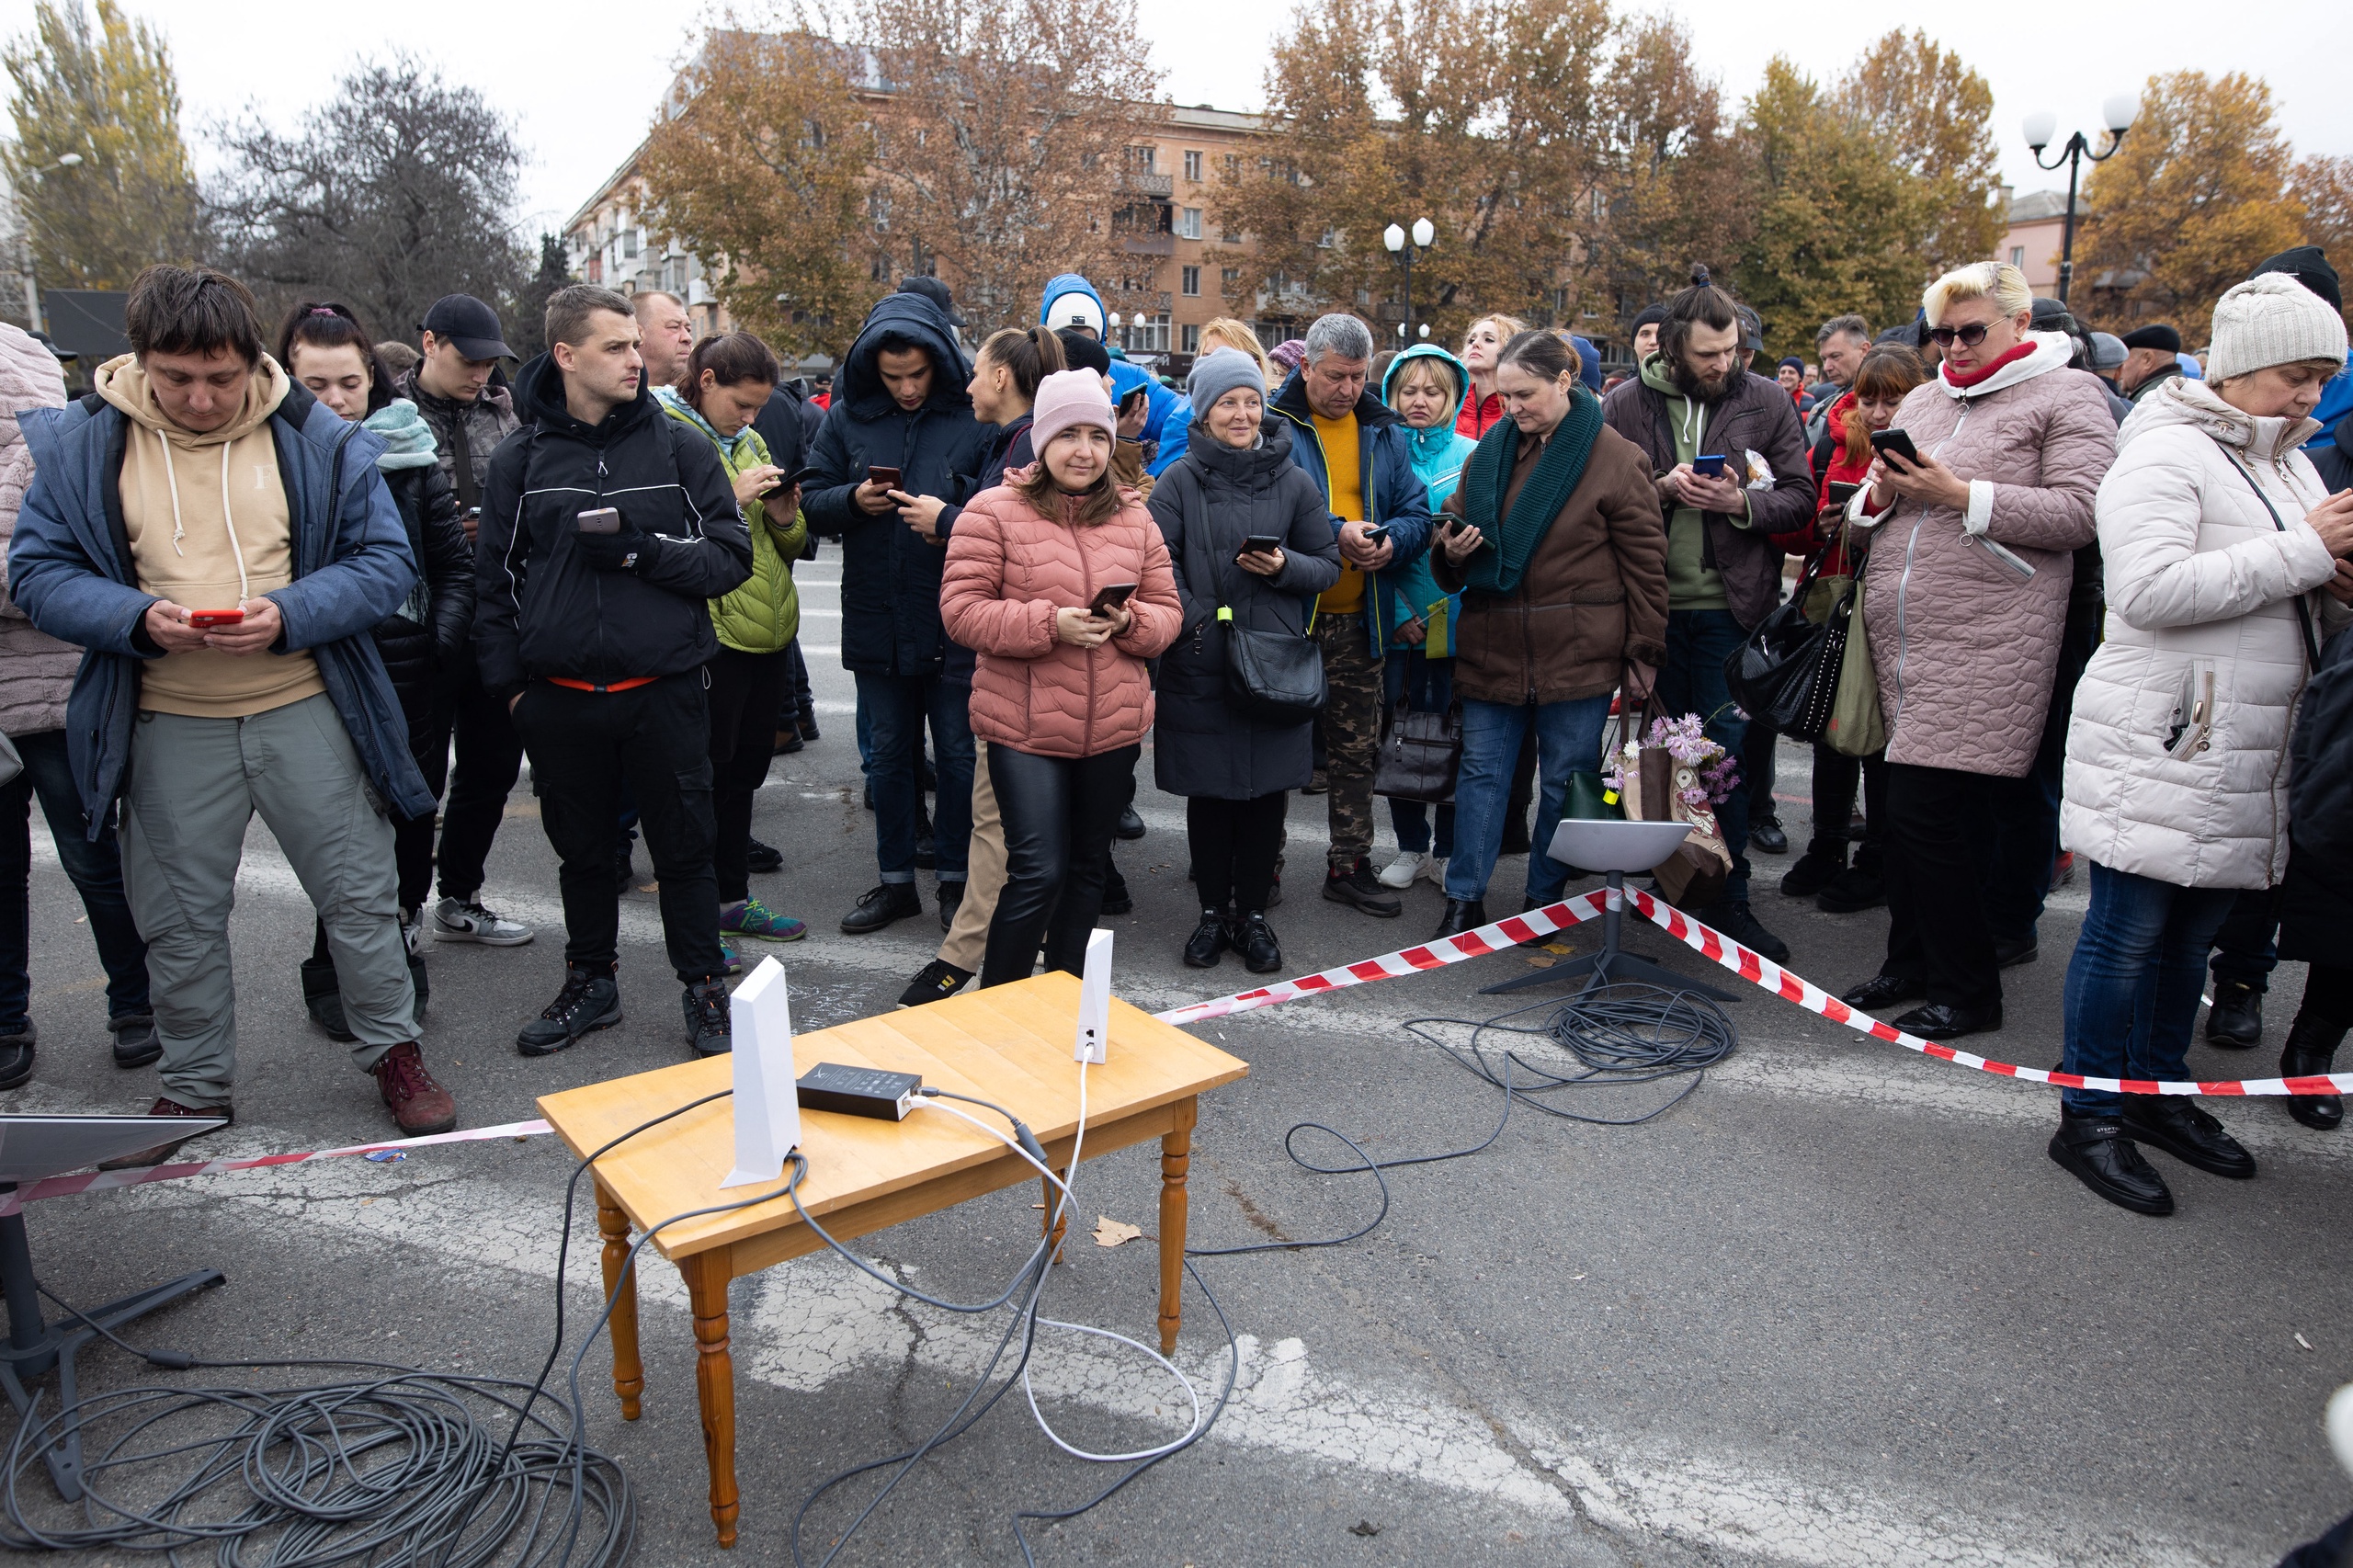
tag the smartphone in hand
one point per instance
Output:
(602, 520)
(207, 620)
(884, 478)
(1373, 538)
(1109, 597)
(1897, 441)
(1262, 544)
(1709, 464)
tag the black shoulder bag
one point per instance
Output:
(1785, 675)
(1272, 676)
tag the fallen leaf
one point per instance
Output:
(1558, 948)
(1541, 962)
(1110, 1233)
(1365, 1527)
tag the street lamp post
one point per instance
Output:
(1393, 237)
(2120, 111)
(25, 239)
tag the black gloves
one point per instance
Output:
(617, 551)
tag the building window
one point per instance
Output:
(2018, 256)
(1145, 335)
(1192, 284)
(629, 242)
(1193, 165)
(1190, 335)
(1229, 236)
(1188, 223)
(1228, 279)
(1140, 159)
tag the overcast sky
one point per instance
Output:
(581, 77)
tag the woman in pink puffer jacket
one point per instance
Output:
(1061, 693)
(1965, 599)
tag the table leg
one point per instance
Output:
(629, 1372)
(1175, 1162)
(708, 1274)
(1056, 1228)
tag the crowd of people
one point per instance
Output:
(349, 584)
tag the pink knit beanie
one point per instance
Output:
(1068, 398)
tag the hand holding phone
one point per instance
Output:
(206, 620)
(1896, 441)
(1111, 597)
(883, 478)
(1261, 544)
(1709, 465)
(598, 521)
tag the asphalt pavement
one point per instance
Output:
(1836, 1307)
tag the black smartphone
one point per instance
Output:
(1376, 536)
(1262, 544)
(1109, 596)
(602, 520)
(1841, 492)
(1709, 464)
(1897, 441)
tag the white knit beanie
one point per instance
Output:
(2272, 320)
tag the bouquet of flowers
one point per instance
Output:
(1705, 774)
(1699, 775)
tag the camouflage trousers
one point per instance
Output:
(1350, 727)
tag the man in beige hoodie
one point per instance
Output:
(222, 544)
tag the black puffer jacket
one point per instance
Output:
(542, 610)
(425, 641)
(2316, 905)
(1207, 502)
(890, 575)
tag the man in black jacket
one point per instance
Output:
(900, 404)
(594, 637)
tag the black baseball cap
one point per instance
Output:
(932, 289)
(469, 324)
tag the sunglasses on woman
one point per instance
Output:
(1970, 337)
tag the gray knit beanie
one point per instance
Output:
(2269, 320)
(1217, 373)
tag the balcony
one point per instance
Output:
(1150, 244)
(1162, 186)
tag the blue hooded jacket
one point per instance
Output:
(1438, 454)
(70, 570)
(1393, 491)
(1125, 377)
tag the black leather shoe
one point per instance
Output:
(1117, 899)
(136, 1043)
(1360, 888)
(2187, 1132)
(1938, 1022)
(1735, 920)
(1460, 916)
(1255, 940)
(1816, 869)
(951, 898)
(16, 1058)
(2312, 1051)
(1885, 991)
(2099, 1152)
(1129, 827)
(2008, 952)
(2235, 1021)
(1768, 836)
(1208, 940)
(889, 902)
(763, 859)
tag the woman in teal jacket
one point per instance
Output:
(726, 383)
(1424, 385)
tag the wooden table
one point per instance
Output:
(1011, 1044)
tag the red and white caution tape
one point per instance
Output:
(1493, 938)
(1762, 971)
(99, 1181)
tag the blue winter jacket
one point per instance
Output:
(1124, 376)
(1438, 453)
(69, 571)
(1393, 493)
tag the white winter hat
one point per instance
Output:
(2269, 320)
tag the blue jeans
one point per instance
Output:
(2133, 985)
(94, 866)
(1568, 738)
(1692, 681)
(1420, 684)
(898, 707)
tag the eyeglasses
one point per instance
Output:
(1970, 337)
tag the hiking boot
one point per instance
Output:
(136, 1043)
(17, 1057)
(156, 1154)
(322, 999)
(753, 918)
(469, 920)
(420, 1107)
(1358, 887)
(938, 981)
(589, 1002)
(763, 859)
(707, 1024)
(889, 902)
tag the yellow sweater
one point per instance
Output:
(210, 528)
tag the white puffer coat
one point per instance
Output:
(2178, 752)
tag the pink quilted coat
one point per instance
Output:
(1964, 647)
(1008, 570)
(36, 669)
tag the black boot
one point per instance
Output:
(2235, 1020)
(2310, 1052)
(2099, 1152)
(1208, 940)
(1460, 916)
(1821, 865)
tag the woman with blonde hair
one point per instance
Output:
(1222, 332)
(1482, 346)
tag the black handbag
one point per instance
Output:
(1785, 676)
(1420, 756)
(1269, 676)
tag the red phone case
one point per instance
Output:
(206, 620)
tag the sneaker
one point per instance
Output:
(17, 1057)
(420, 1107)
(413, 930)
(1130, 826)
(1816, 869)
(763, 859)
(1732, 918)
(465, 920)
(753, 918)
(136, 1041)
(1317, 784)
(1358, 886)
(889, 902)
(589, 1002)
(938, 981)
(322, 999)
(732, 961)
(156, 1154)
(708, 1028)
(1434, 870)
(1400, 873)
(1255, 940)
(1209, 940)
(951, 899)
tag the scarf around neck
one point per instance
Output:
(1488, 473)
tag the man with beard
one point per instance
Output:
(1692, 402)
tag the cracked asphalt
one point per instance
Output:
(1836, 1307)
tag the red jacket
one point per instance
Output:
(1478, 414)
(1008, 570)
(1844, 469)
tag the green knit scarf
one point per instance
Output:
(1485, 477)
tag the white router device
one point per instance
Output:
(1094, 1000)
(767, 1105)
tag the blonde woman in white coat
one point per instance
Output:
(2216, 532)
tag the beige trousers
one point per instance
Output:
(968, 937)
